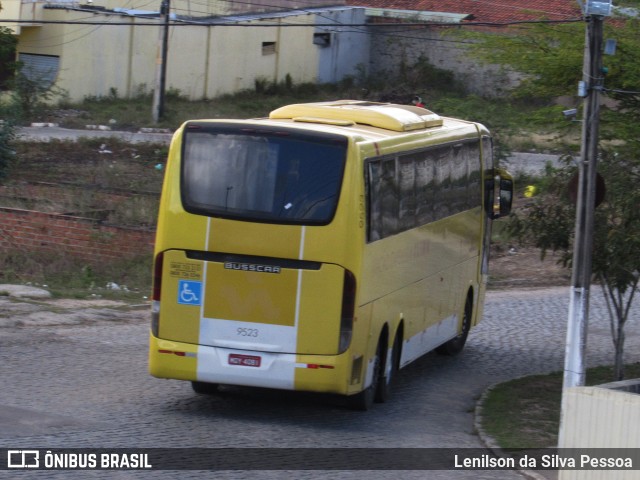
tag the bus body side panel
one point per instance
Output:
(422, 277)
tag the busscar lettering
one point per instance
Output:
(250, 267)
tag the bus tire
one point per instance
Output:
(383, 392)
(456, 344)
(364, 400)
(204, 388)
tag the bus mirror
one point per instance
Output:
(505, 193)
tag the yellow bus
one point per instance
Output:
(322, 248)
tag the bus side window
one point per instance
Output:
(374, 207)
(389, 198)
(407, 188)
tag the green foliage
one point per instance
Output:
(8, 43)
(30, 94)
(549, 57)
(550, 60)
(423, 75)
(7, 135)
(548, 222)
(617, 236)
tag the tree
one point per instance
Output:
(550, 58)
(616, 259)
(548, 222)
(8, 43)
(7, 67)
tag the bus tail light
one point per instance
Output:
(155, 296)
(348, 310)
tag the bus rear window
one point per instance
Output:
(259, 174)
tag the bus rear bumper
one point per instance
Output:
(184, 361)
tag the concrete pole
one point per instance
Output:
(161, 63)
(575, 367)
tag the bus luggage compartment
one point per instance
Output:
(251, 303)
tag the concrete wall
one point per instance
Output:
(443, 49)
(203, 61)
(349, 47)
(604, 417)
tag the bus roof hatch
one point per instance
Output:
(399, 118)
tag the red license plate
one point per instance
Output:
(244, 360)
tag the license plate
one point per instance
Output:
(244, 360)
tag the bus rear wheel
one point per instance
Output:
(456, 344)
(388, 371)
(364, 400)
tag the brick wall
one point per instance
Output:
(90, 240)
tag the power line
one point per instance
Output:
(363, 28)
(183, 22)
(502, 5)
(623, 92)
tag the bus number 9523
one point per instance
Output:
(247, 332)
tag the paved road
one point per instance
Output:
(77, 378)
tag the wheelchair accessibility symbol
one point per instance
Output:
(189, 292)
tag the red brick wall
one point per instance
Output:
(29, 230)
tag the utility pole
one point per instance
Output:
(161, 63)
(590, 87)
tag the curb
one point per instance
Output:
(489, 442)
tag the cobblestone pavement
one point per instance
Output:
(82, 381)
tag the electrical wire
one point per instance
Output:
(178, 23)
(623, 92)
(45, 40)
(364, 28)
(501, 5)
